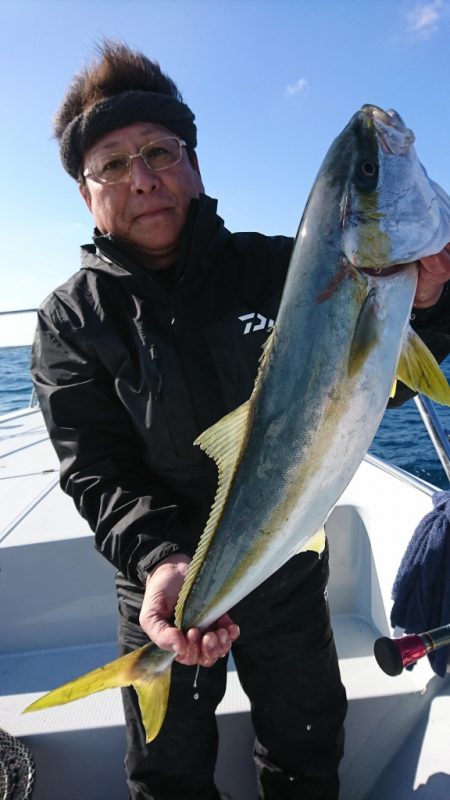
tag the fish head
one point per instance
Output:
(391, 212)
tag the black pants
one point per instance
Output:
(287, 664)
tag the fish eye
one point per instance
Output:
(368, 168)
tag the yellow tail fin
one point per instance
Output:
(153, 696)
(146, 669)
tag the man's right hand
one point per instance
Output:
(194, 646)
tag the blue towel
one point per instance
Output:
(421, 591)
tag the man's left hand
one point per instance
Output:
(434, 272)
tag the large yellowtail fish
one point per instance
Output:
(340, 340)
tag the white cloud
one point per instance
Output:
(299, 87)
(423, 20)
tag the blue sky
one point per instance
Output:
(272, 82)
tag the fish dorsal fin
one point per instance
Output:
(419, 370)
(225, 442)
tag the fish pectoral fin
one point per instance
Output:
(316, 543)
(153, 697)
(366, 334)
(418, 369)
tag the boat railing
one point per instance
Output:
(400, 474)
(435, 429)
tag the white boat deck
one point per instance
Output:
(57, 619)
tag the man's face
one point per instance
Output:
(150, 212)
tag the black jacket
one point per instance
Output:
(131, 366)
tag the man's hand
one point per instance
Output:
(434, 272)
(193, 646)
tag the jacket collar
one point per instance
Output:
(203, 235)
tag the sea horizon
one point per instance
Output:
(401, 439)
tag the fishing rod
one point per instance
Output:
(393, 655)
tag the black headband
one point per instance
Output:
(117, 112)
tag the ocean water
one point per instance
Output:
(401, 439)
(15, 382)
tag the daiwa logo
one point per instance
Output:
(256, 322)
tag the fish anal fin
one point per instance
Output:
(366, 334)
(419, 370)
(153, 696)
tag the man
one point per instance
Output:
(134, 356)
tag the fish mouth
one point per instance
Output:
(392, 269)
(389, 117)
(394, 137)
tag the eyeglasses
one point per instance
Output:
(116, 167)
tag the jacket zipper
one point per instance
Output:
(154, 355)
(155, 358)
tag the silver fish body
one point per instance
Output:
(314, 417)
